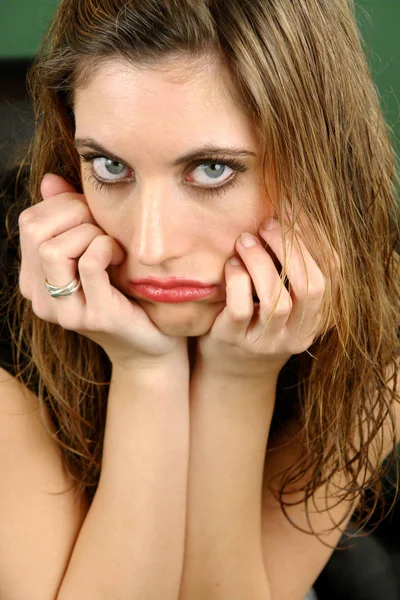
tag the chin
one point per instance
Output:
(191, 319)
(182, 330)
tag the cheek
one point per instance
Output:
(95, 199)
(106, 218)
(247, 214)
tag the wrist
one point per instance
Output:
(260, 374)
(153, 367)
(206, 383)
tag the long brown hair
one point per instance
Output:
(300, 72)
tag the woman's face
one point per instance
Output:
(162, 210)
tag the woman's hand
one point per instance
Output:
(61, 240)
(240, 343)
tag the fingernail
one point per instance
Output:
(269, 224)
(235, 262)
(248, 240)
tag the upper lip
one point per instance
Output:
(172, 282)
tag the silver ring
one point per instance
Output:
(57, 292)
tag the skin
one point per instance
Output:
(149, 118)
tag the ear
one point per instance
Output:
(52, 185)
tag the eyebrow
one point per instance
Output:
(192, 155)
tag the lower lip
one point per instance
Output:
(175, 294)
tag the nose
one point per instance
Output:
(159, 232)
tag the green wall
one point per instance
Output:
(22, 23)
(379, 22)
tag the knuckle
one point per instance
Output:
(49, 252)
(88, 264)
(24, 285)
(283, 309)
(314, 289)
(81, 211)
(34, 231)
(41, 310)
(26, 217)
(284, 306)
(94, 229)
(239, 316)
(102, 240)
(24, 289)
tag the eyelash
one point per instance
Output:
(232, 163)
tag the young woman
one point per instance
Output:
(207, 438)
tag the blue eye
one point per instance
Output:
(213, 167)
(218, 169)
(212, 170)
(103, 166)
(114, 167)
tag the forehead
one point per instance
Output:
(174, 99)
(178, 79)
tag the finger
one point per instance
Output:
(41, 224)
(59, 254)
(102, 252)
(53, 185)
(58, 265)
(267, 284)
(306, 282)
(45, 220)
(239, 295)
(52, 189)
(84, 309)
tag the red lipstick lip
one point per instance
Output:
(172, 282)
(175, 294)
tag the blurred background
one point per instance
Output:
(23, 23)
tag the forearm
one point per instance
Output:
(131, 544)
(229, 428)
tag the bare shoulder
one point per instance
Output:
(16, 400)
(40, 513)
(26, 425)
(11, 384)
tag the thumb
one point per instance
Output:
(52, 185)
